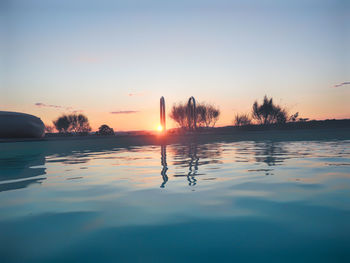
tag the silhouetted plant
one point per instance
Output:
(62, 124)
(268, 113)
(242, 119)
(179, 114)
(206, 115)
(294, 117)
(105, 130)
(77, 123)
(49, 128)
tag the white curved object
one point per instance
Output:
(20, 125)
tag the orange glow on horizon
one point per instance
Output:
(146, 118)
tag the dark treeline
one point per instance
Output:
(203, 116)
(72, 123)
(69, 124)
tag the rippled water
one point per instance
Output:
(217, 202)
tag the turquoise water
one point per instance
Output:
(217, 202)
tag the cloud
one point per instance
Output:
(39, 104)
(341, 84)
(124, 112)
(43, 105)
(133, 94)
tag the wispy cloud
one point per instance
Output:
(341, 84)
(124, 112)
(39, 104)
(134, 94)
(43, 105)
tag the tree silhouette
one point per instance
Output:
(268, 112)
(206, 115)
(105, 130)
(242, 119)
(179, 114)
(77, 123)
(62, 124)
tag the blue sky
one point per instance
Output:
(100, 57)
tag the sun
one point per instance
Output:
(159, 128)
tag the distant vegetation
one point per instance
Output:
(206, 115)
(105, 130)
(77, 123)
(266, 113)
(242, 119)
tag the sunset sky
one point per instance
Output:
(113, 60)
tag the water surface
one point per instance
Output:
(217, 202)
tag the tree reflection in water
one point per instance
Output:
(190, 156)
(271, 153)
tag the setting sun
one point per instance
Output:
(159, 128)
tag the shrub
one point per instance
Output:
(62, 124)
(268, 112)
(242, 119)
(105, 130)
(206, 115)
(179, 114)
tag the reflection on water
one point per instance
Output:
(164, 166)
(192, 162)
(18, 171)
(270, 153)
(188, 157)
(257, 200)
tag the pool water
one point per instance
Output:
(248, 201)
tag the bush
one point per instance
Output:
(62, 124)
(77, 123)
(206, 115)
(105, 130)
(49, 129)
(242, 119)
(268, 112)
(179, 114)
